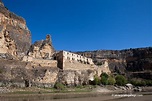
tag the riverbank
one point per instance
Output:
(73, 94)
(83, 96)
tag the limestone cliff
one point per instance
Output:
(42, 49)
(131, 62)
(38, 67)
(14, 73)
(15, 38)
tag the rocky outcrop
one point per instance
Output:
(14, 73)
(25, 65)
(130, 62)
(42, 49)
(76, 77)
(15, 38)
(21, 74)
(39, 68)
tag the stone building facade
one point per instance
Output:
(64, 56)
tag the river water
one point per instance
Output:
(80, 97)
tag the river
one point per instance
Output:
(144, 96)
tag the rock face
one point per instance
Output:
(76, 77)
(39, 68)
(42, 49)
(130, 62)
(25, 65)
(15, 38)
(14, 73)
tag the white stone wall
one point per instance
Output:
(76, 57)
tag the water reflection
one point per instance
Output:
(45, 97)
(75, 97)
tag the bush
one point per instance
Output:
(121, 80)
(111, 80)
(141, 82)
(59, 86)
(104, 78)
(105, 75)
(148, 82)
(96, 80)
(79, 86)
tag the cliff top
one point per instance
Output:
(9, 14)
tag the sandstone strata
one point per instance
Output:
(15, 38)
(25, 65)
(130, 62)
(42, 49)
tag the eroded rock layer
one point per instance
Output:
(130, 62)
(15, 38)
(42, 49)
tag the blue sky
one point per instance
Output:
(80, 25)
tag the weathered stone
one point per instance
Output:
(15, 38)
(76, 77)
(42, 49)
(129, 62)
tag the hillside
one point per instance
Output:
(132, 62)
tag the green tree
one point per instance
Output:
(111, 80)
(141, 82)
(105, 75)
(96, 80)
(59, 86)
(121, 80)
(104, 78)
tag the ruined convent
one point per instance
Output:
(39, 64)
(43, 54)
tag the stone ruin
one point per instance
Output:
(42, 53)
(65, 59)
(38, 64)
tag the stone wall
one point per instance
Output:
(40, 62)
(67, 58)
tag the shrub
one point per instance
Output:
(121, 80)
(59, 86)
(148, 82)
(111, 80)
(96, 80)
(79, 86)
(104, 80)
(141, 82)
(105, 75)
